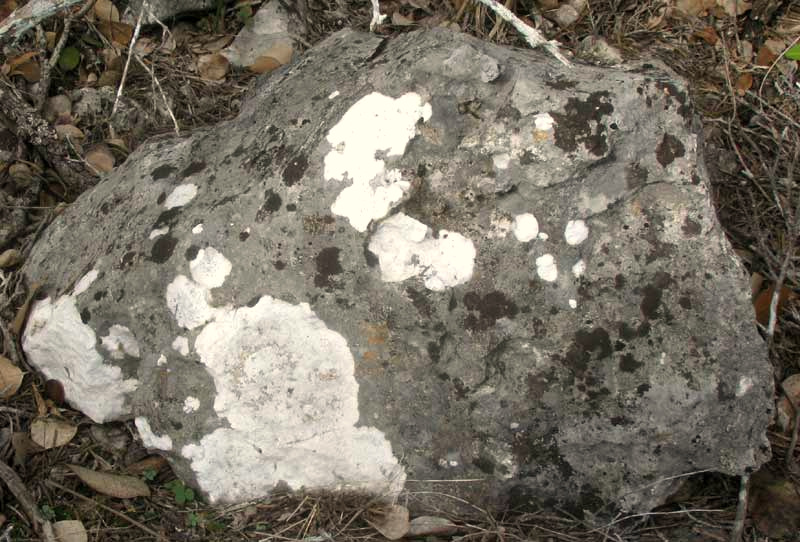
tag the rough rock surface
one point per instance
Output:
(426, 259)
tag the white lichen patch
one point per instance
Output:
(84, 282)
(191, 404)
(161, 361)
(543, 121)
(501, 160)
(546, 268)
(333, 94)
(543, 236)
(526, 227)
(406, 248)
(158, 232)
(209, 268)
(576, 232)
(189, 302)
(63, 348)
(745, 384)
(285, 384)
(181, 195)
(579, 269)
(197, 229)
(150, 439)
(573, 303)
(374, 125)
(181, 345)
(120, 342)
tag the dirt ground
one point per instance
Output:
(745, 89)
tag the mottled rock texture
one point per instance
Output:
(429, 258)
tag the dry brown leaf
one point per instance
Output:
(734, 7)
(744, 83)
(104, 10)
(118, 143)
(50, 38)
(22, 312)
(391, 521)
(10, 378)
(153, 462)
(100, 158)
(213, 67)
(694, 7)
(144, 46)
(785, 414)
(20, 172)
(764, 301)
(52, 432)
(213, 44)
(70, 131)
(6, 8)
(281, 51)
(708, 35)
(10, 257)
(774, 505)
(119, 34)
(109, 78)
(768, 53)
(113, 485)
(756, 281)
(430, 526)
(23, 446)
(25, 65)
(264, 64)
(70, 530)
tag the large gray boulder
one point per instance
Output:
(429, 258)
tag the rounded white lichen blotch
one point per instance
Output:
(373, 125)
(181, 345)
(573, 303)
(546, 268)
(543, 121)
(181, 195)
(579, 268)
(209, 268)
(525, 227)
(406, 248)
(191, 404)
(745, 384)
(150, 439)
(502, 160)
(281, 359)
(120, 342)
(576, 232)
(84, 282)
(189, 302)
(197, 229)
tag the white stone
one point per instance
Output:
(197, 229)
(189, 302)
(181, 195)
(209, 268)
(543, 121)
(579, 268)
(405, 248)
(120, 342)
(374, 124)
(150, 439)
(159, 232)
(576, 232)
(525, 227)
(546, 268)
(191, 404)
(181, 345)
(84, 282)
(62, 347)
(285, 384)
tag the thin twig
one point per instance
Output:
(163, 95)
(26, 501)
(741, 509)
(130, 54)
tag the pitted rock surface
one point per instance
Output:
(426, 259)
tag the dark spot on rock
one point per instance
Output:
(105, 208)
(561, 83)
(162, 172)
(485, 463)
(613, 126)
(685, 301)
(120, 295)
(649, 101)
(491, 307)
(191, 252)
(669, 149)
(291, 207)
(629, 364)
(635, 176)
(253, 301)
(243, 235)
(526, 158)
(695, 178)
(86, 316)
(725, 392)
(621, 420)
(167, 218)
(641, 389)
(581, 123)
(619, 281)
(434, 351)
(588, 345)
(644, 329)
(420, 301)
(194, 167)
(163, 248)
(370, 257)
(100, 295)
(690, 227)
(128, 259)
(279, 265)
(295, 169)
(161, 197)
(272, 203)
(619, 346)
(238, 151)
(537, 385)
(651, 301)
(327, 262)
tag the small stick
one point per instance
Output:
(130, 54)
(28, 16)
(377, 18)
(163, 96)
(25, 500)
(741, 509)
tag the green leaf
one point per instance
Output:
(69, 59)
(793, 53)
(149, 474)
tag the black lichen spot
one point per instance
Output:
(420, 301)
(327, 265)
(253, 301)
(194, 167)
(725, 392)
(619, 281)
(641, 389)
(370, 257)
(635, 176)
(484, 463)
(191, 253)
(128, 259)
(291, 207)
(685, 302)
(627, 332)
(490, 308)
(100, 295)
(279, 265)
(575, 125)
(167, 218)
(526, 158)
(163, 248)
(243, 235)
(651, 301)
(295, 169)
(629, 364)
(621, 420)
(588, 346)
(86, 316)
(161, 197)
(239, 150)
(162, 172)
(272, 203)
(690, 227)
(561, 83)
(669, 149)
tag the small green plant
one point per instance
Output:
(793, 53)
(181, 493)
(48, 513)
(149, 474)
(245, 15)
(192, 520)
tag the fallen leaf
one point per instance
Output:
(119, 34)
(152, 462)
(768, 53)
(391, 521)
(104, 10)
(10, 258)
(70, 530)
(23, 446)
(281, 51)
(144, 46)
(69, 59)
(100, 158)
(694, 7)
(10, 378)
(734, 7)
(785, 414)
(213, 67)
(744, 83)
(29, 69)
(113, 485)
(774, 505)
(54, 390)
(22, 312)
(708, 35)
(51, 432)
(214, 44)
(109, 78)
(41, 406)
(6, 8)
(20, 172)
(264, 64)
(430, 526)
(70, 131)
(764, 301)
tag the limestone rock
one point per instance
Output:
(391, 268)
